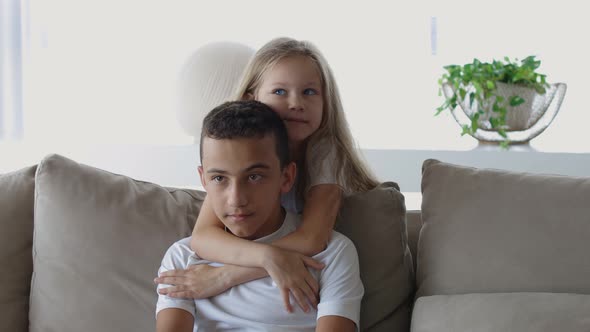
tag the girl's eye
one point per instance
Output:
(254, 177)
(310, 92)
(279, 92)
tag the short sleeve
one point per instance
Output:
(341, 288)
(321, 165)
(177, 257)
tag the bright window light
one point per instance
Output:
(104, 71)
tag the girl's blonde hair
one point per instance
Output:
(333, 130)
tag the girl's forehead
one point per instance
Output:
(300, 64)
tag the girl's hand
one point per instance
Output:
(197, 282)
(288, 269)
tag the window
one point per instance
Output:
(104, 71)
(11, 124)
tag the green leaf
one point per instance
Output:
(496, 107)
(493, 122)
(477, 87)
(465, 130)
(462, 93)
(516, 100)
(474, 124)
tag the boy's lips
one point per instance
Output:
(239, 216)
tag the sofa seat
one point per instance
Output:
(502, 312)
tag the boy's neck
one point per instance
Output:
(274, 222)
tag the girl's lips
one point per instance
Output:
(296, 120)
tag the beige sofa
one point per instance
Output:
(496, 251)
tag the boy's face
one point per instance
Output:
(244, 182)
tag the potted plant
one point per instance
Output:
(497, 97)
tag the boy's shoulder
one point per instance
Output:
(338, 246)
(340, 240)
(182, 244)
(179, 250)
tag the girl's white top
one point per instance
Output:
(321, 171)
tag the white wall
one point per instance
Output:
(104, 71)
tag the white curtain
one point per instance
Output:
(11, 110)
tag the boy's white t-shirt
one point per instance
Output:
(257, 305)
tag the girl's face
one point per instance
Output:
(293, 89)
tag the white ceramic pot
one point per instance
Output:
(523, 122)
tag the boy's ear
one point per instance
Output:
(200, 169)
(289, 173)
(248, 96)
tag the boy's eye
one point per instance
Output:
(279, 92)
(255, 177)
(217, 178)
(310, 92)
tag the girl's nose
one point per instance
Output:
(295, 103)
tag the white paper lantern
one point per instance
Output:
(209, 77)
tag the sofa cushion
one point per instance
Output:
(375, 222)
(16, 239)
(488, 231)
(502, 312)
(98, 243)
(413, 224)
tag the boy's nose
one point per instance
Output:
(237, 196)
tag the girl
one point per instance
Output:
(294, 79)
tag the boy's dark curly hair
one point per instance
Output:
(246, 119)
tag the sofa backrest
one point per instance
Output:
(375, 222)
(492, 231)
(99, 239)
(16, 238)
(98, 242)
(413, 225)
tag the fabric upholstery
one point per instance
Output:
(492, 231)
(16, 239)
(414, 224)
(522, 312)
(98, 242)
(375, 222)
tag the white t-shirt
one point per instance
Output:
(257, 305)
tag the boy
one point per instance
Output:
(245, 169)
